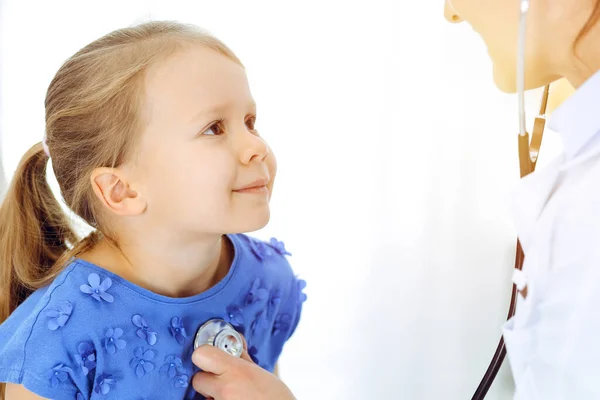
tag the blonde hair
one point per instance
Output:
(92, 120)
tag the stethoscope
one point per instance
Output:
(528, 156)
(220, 334)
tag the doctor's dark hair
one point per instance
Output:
(93, 120)
(591, 22)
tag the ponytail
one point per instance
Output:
(35, 234)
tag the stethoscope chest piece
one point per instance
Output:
(220, 334)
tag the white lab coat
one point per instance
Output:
(553, 341)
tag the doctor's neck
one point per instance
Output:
(582, 59)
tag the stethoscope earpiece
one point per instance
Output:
(220, 334)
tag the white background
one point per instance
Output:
(396, 156)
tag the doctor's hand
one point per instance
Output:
(225, 377)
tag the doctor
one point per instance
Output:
(553, 342)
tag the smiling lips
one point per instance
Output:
(258, 186)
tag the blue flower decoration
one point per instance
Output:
(104, 382)
(79, 396)
(301, 284)
(182, 381)
(260, 323)
(86, 359)
(113, 341)
(282, 323)
(274, 302)
(144, 332)
(279, 247)
(98, 290)
(59, 316)
(178, 330)
(58, 374)
(142, 362)
(173, 366)
(260, 249)
(256, 293)
(234, 316)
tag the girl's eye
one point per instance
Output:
(251, 123)
(215, 129)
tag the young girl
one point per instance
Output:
(151, 133)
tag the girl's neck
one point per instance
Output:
(164, 268)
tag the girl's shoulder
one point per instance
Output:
(33, 350)
(271, 253)
(272, 297)
(265, 264)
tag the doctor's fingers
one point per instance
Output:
(230, 387)
(207, 385)
(211, 359)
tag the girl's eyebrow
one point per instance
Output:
(218, 109)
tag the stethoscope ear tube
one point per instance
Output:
(528, 156)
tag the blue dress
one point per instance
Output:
(93, 335)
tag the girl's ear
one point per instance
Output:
(114, 192)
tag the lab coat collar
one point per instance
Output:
(530, 197)
(577, 119)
